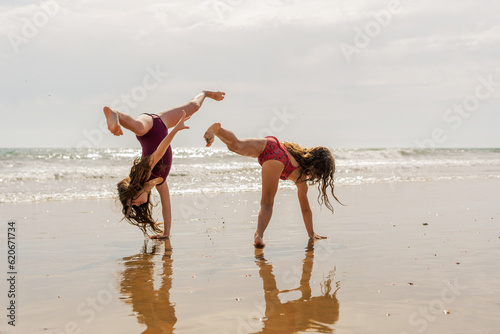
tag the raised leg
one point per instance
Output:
(115, 120)
(247, 147)
(271, 171)
(172, 116)
(112, 119)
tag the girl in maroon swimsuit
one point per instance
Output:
(285, 161)
(153, 167)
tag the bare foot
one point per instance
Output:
(217, 96)
(112, 120)
(258, 243)
(211, 132)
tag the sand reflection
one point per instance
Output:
(152, 307)
(306, 313)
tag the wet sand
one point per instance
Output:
(382, 270)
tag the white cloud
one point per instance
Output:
(266, 53)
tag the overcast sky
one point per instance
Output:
(347, 73)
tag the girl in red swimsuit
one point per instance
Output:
(153, 167)
(285, 161)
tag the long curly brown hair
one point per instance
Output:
(137, 215)
(317, 166)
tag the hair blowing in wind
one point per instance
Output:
(318, 166)
(138, 215)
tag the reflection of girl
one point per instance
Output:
(153, 167)
(305, 314)
(153, 307)
(285, 161)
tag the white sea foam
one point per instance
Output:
(65, 174)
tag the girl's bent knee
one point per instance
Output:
(232, 149)
(235, 147)
(194, 105)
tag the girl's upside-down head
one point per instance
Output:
(130, 190)
(317, 165)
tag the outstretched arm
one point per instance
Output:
(306, 210)
(165, 143)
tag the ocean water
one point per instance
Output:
(65, 174)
